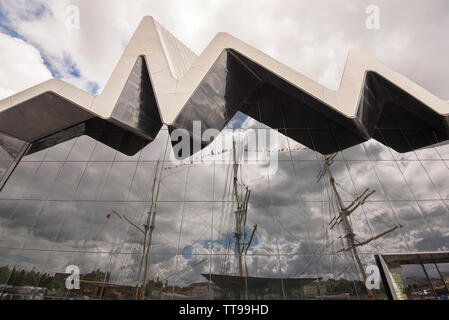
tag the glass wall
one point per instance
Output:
(83, 203)
(10, 151)
(421, 276)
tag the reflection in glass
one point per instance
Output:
(416, 276)
(84, 202)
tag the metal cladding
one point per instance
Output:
(158, 80)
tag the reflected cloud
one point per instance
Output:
(53, 211)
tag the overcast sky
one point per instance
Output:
(313, 37)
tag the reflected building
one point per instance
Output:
(415, 276)
(69, 161)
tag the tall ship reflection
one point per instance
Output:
(241, 285)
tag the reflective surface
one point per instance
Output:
(55, 211)
(40, 116)
(422, 276)
(136, 106)
(11, 149)
(385, 112)
(219, 96)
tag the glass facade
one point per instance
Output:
(65, 205)
(10, 151)
(423, 276)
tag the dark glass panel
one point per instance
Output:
(346, 139)
(324, 141)
(295, 115)
(251, 110)
(59, 146)
(271, 114)
(301, 144)
(11, 150)
(103, 152)
(217, 98)
(137, 106)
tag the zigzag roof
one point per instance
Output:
(158, 80)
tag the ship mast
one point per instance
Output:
(343, 217)
(149, 228)
(147, 232)
(241, 215)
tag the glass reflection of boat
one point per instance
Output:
(243, 285)
(256, 287)
(343, 214)
(261, 288)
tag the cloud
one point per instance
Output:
(312, 37)
(21, 66)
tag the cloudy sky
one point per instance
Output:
(313, 37)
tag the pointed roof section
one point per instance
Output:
(174, 80)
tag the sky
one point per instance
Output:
(312, 37)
